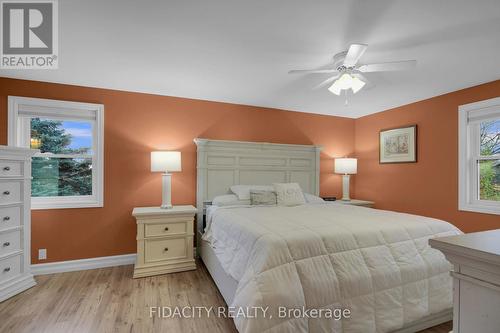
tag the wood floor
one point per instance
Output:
(109, 300)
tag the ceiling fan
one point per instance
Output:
(348, 74)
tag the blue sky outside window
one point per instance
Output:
(81, 134)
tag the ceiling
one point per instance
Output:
(240, 51)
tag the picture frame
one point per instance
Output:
(398, 145)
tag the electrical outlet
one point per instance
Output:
(42, 254)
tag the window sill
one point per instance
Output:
(37, 204)
(478, 208)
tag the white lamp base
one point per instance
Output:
(166, 199)
(345, 188)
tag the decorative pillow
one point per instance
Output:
(262, 198)
(289, 194)
(310, 198)
(243, 191)
(228, 200)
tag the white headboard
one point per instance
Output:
(221, 164)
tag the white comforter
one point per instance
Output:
(376, 263)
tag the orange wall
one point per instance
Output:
(136, 124)
(429, 187)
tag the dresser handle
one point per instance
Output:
(6, 168)
(6, 269)
(6, 244)
(6, 218)
(166, 228)
(6, 192)
(166, 249)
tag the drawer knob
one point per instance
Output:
(6, 218)
(6, 192)
(166, 228)
(6, 244)
(166, 249)
(6, 269)
(6, 168)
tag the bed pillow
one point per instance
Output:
(310, 198)
(262, 198)
(228, 200)
(243, 191)
(289, 194)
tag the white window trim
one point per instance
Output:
(467, 172)
(16, 138)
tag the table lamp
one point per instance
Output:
(166, 162)
(346, 166)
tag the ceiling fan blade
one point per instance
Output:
(326, 82)
(355, 52)
(361, 77)
(312, 71)
(389, 66)
(369, 84)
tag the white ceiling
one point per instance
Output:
(240, 51)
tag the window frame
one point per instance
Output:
(18, 132)
(469, 155)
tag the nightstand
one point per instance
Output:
(354, 202)
(164, 240)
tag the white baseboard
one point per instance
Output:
(82, 264)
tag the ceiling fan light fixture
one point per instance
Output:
(335, 88)
(345, 81)
(357, 84)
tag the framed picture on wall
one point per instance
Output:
(398, 145)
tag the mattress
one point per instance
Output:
(318, 257)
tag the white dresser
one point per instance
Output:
(476, 280)
(15, 220)
(164, 240)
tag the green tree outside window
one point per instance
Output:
(59, 176)
(489, 170)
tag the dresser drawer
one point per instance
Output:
(10, 192)
(165, 229)
(10, 217)
(10, 242)
(10, 267)
(165, 249)
(11, 168)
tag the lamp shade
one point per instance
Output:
(346, 166)
(165, 161)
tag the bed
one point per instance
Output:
(317, 256)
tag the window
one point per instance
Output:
(68, 170)
(479, 156)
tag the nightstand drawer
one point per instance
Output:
(10, 192)
(10, 242)
(165, 229)
(165, 249)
